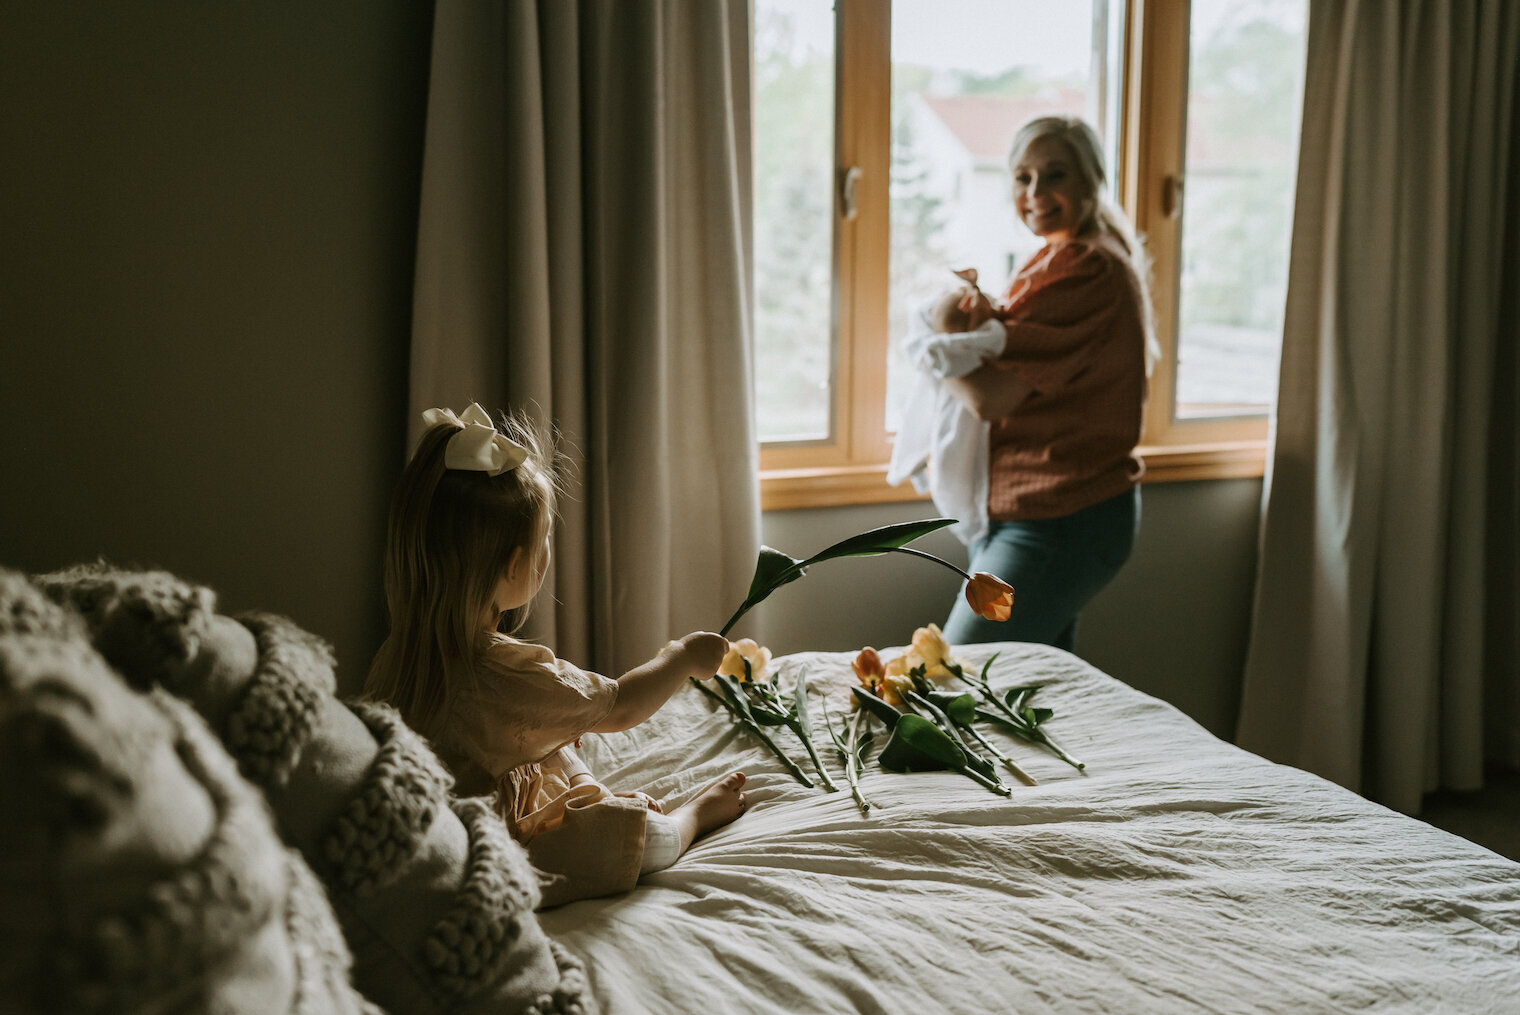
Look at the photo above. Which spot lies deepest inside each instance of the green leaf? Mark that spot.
(1016, 696)
(863, 745)
(765, 708)
(917, 745)
(771, 572)
(881, 540)
(834, 735)
(959, 707)
(947, 724)
(800, 702)
(1019, 729)
(880, 709)
(736, 698)
(773, 569)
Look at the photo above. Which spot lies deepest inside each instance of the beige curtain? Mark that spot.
(1383, 652)
(583, 251)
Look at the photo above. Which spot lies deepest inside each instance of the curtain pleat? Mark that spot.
(1369, 653)
(584, 252)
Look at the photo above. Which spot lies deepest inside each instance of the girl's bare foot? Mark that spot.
(712, 808)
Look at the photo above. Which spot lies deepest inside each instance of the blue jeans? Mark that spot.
(1055, 566)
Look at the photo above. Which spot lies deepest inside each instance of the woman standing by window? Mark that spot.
(1065, 397)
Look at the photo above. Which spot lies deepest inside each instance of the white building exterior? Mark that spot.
(962, 141)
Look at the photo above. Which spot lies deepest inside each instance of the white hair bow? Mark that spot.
(477, 447)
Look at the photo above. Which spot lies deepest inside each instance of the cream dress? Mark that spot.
(512, 737)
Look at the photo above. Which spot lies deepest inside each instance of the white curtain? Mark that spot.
(1384, 651)
(584, 251)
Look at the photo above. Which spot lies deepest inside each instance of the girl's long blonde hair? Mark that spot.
(450, 536)
(1101, 214)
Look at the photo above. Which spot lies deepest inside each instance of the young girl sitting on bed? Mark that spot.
(467, 549)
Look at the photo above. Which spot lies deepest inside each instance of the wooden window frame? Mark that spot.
(850, 467)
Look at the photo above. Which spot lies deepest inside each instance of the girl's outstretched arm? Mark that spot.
(643, 689)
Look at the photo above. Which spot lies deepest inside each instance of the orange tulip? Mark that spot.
(867, 666)
(873, 677)
(990, 596)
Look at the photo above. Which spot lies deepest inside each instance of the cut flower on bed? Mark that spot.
(917, 744)
(758, 703)
(1012, 711)
(915, 681)
(895, 691)
(852, 745)
(930, 658)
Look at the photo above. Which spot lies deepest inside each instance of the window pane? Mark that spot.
(794, 162)
(965, 74)
(1245, 85)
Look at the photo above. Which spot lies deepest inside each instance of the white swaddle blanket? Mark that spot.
(940, 445)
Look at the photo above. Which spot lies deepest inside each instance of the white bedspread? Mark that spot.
(1178, 874)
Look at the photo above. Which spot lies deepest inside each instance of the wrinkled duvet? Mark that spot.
(1176, 874)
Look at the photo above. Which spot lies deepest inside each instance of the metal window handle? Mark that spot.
(1171, 195)
(849, 180)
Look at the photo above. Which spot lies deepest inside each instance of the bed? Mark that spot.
(1176, 873)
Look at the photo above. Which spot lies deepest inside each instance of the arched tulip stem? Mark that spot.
(930, 556)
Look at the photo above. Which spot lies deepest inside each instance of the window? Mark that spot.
(882, 132)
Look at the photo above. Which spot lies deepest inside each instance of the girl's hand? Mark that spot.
(704, 652)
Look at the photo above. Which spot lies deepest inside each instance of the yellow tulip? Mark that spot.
(895, 688)
(738, 651)
(929, 642)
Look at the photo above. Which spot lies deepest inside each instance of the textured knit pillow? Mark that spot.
(435, 900)
(140, 872)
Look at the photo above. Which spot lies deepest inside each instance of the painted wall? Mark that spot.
(208, 216)
(1173, 624)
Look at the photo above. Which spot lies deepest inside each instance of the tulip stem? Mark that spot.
(930, 556)
(945, 723)
(807, 742)
(1012, 719)
(991, 783)
(850, 747)
(852, 762)
(1008, 762)
(754, 727)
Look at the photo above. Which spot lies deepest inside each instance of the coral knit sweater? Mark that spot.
(1076, 337)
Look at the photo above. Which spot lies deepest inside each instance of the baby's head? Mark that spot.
(474, 493)
(962, 307)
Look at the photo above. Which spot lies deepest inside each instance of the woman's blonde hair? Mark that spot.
(450, 536)
(1099, 214)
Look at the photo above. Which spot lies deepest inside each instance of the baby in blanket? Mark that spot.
(940, 445)
(960, 308)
